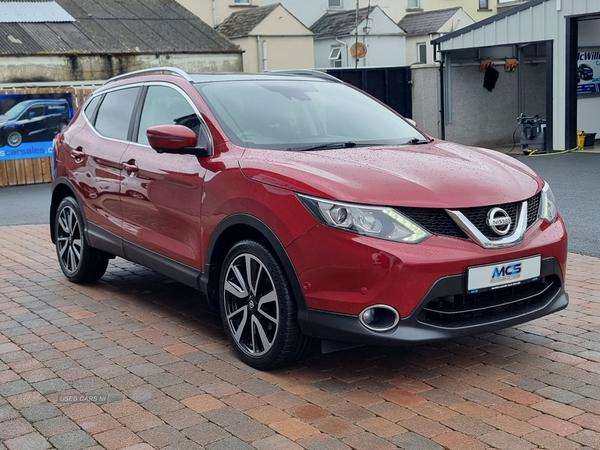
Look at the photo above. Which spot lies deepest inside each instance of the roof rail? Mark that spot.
(173, 70)
(307, 73)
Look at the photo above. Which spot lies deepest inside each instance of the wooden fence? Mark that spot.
(37, 170)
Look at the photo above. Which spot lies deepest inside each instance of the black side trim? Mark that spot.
(104, 240)
(169, 267)
(262, 228)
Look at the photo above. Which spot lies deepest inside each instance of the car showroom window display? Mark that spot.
(303, 209)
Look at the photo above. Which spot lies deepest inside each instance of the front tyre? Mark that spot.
(79, 262)
(258, 311)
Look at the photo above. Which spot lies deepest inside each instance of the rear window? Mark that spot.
(115, 111)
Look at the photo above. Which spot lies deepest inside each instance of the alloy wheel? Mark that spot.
(251, 305)
(14, 139)
(69, 239)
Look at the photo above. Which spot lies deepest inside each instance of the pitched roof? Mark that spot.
(242, 23)
(114, 27)
(427, 22)
(340, 23)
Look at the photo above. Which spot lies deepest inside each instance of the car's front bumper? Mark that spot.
(416, 328)
(341, 274)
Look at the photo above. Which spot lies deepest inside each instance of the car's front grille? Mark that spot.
(438, 222)
(466, 310)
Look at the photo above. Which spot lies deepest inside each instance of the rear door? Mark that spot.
(161, 194)
(96, 151)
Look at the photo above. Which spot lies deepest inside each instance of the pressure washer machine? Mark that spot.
(533, 134)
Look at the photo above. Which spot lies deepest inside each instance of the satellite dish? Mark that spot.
(358, 50)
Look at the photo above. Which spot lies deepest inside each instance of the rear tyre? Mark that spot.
(14, 138)
(78, 261)
(257, 308)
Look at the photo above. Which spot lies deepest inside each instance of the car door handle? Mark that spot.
(130, 167)
(77, 153)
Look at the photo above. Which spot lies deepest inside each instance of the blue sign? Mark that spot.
(29, 122)
(26, 151)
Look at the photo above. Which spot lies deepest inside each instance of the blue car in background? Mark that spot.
(34, 120)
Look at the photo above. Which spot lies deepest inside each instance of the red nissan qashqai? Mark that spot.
(303, 208)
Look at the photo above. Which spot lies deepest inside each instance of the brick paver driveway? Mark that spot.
(135, 361)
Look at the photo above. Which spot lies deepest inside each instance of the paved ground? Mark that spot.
(134, 361)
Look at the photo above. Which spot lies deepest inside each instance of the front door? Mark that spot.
(161, 194)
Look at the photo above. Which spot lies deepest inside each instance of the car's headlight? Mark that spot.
(373, 221)
(548, 210)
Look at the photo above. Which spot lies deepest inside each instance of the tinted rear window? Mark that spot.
(115, 111)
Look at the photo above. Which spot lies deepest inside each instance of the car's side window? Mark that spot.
(90, 109)
(34, 111)
(166, 106)
(115, 111)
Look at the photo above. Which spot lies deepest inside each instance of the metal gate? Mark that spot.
(391, 85)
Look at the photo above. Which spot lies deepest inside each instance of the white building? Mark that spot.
(271, 38)
(337, 33)
(422, 27)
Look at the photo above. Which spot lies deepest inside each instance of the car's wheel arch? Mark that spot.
(238, 227)
(13, 127)
(63, 188)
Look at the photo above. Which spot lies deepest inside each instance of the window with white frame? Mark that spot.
(422, 52)
(413, 4)
(484, 4)
(335, 56)
(241, 2)
(334, 3)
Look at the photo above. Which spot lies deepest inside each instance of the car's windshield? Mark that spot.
(303, 115)
(14, 112)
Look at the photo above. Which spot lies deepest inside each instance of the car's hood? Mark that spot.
(437, 175)
(3, 119)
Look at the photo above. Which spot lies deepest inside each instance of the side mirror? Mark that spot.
(31, 113)
(175, 139)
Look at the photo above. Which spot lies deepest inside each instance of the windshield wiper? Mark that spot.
(348, 144)
(416, 141)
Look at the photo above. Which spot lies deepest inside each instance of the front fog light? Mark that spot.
(368, 316)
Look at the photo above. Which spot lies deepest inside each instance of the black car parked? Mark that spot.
(34, 120)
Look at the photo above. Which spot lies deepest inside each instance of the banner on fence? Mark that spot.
(29, 122)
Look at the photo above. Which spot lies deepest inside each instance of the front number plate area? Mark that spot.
(502, 274)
